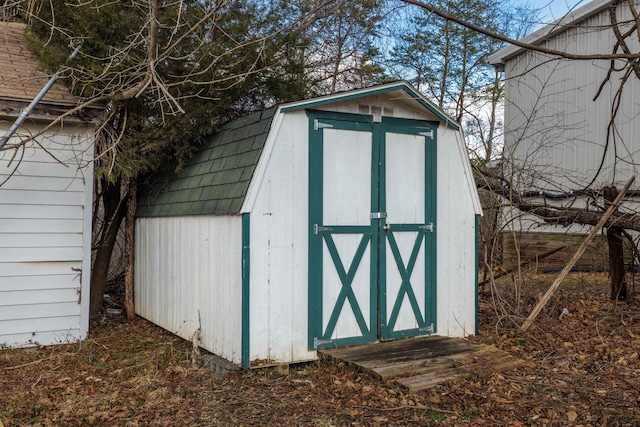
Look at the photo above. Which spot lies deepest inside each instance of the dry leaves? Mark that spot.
(582, 369)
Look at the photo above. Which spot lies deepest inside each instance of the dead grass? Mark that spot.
(582, 369)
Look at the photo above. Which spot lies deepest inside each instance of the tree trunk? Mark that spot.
(616, 253)
(129, 249)
(114, 210)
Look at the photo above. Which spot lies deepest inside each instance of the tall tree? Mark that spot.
(171, 71)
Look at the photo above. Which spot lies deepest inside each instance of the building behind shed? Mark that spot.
(46, 187)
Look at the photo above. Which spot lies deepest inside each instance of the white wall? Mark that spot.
(456, 240)
(553, 124)
(45, 237)
(279, 250)
(279, 232)
(188, 275)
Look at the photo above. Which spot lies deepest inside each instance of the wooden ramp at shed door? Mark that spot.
(422, 362)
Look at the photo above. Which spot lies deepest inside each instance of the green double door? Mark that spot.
(372, 231)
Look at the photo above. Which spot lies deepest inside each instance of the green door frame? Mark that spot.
(375, 235)
(425, 235)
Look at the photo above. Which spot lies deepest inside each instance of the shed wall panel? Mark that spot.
(279, 249)
(188, 276)
(456, 251)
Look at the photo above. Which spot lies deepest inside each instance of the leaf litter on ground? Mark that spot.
(582, 369)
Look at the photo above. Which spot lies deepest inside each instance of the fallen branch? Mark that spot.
(576, 256)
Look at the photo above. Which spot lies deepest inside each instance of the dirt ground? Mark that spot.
(582, 369)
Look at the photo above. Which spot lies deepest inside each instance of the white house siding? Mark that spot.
(188, 276)
(45, 238)
(279, 247)
(554, 126)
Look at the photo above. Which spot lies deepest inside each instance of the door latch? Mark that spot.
(430, 227)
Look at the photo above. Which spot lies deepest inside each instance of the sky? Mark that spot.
(550, 10)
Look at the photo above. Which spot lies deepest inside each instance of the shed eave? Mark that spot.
(377, 90)
(558, 26)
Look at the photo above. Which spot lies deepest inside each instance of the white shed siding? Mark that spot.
(456, 249)
(45, 231)
(279, 233)
(188, 276)
(552, 122)
(279, 247)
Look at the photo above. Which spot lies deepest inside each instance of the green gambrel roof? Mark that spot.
(216, 180)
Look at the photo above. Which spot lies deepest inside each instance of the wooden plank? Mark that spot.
(416, 367)
(429, 366)
(415, 354)
(388, 347)
(391, 352)
(421, 363)
(425, 381)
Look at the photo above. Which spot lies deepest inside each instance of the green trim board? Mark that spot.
(246, 288)
(402, 86)
(319, 237)
(477, 260)
(217, 179)
(427, 321)
(375, 236)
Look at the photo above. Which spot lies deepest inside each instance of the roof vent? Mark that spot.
(375, 110)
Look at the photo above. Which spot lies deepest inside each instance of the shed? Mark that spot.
(560, 135)
(344, 219)
(46, 187)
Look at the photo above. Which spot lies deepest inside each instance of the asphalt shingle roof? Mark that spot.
(217, 178)
(20, 78)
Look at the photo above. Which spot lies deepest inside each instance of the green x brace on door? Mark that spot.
(372, 228)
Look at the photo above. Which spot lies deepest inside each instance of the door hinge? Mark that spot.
(430, 226)
(428, 329)
(378, 215)
(428, 134)
(317, 124)
(320, 229)
(318, 342)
